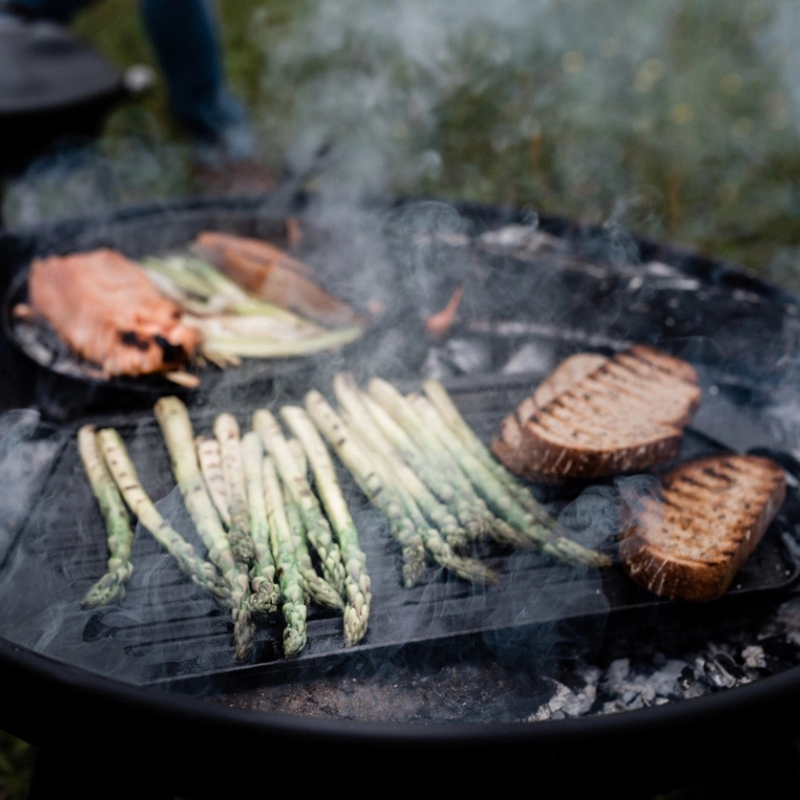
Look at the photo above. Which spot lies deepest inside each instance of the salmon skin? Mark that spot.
(107, 310)
(273, 275)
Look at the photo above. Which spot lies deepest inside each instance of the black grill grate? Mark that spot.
(168, 632)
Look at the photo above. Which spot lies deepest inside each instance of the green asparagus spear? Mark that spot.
(357, 582)
(176, 426)
(124, 473)
(293, 604)
(195, 277)
(120, 534)
(366, 473)
(395, 415)
(473, 514)
(350, 399)
(264, 598)
(416, 417)
(209, 457)
(452, 418)
(317, 526)
(469, 569)
(315, 587)
(503, 503)
(226, 431)
(244, 347)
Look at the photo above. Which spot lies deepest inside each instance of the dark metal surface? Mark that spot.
(44, 65)
(742, 332)
(168, 632)
(55, 90)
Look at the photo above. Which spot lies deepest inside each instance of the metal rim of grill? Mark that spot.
(50, 691)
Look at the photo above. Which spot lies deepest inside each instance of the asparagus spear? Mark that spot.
(299, 456)
(469, 569)
(264, 598)
(350, 398)
(246, 347)
(416, 417)
(196, 277)
(474, 516)
(451, 417)
(503, 503)
(120, 534)
(226, 430)
(377, 490)
(405, 426)
(357, 581)
(293, 604)
(176, 426)
(315, 587)
(317, 527)
(210, 458)
(124, 473)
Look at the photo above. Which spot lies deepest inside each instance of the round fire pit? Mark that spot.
(552, 670)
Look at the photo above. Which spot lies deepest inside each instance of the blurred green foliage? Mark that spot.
(16, 767)
(677, 119)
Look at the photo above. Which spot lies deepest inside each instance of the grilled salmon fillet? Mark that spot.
(107, 310)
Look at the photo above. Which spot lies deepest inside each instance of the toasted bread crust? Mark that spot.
(714, 512)
(597, 416)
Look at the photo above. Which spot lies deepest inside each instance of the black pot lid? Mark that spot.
(43, 66)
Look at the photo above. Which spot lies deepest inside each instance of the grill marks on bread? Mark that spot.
(690, 543)
(597, 416)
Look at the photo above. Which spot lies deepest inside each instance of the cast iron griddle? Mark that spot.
(168, 632)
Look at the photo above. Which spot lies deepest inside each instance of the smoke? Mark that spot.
(676, 119)
(26, 450)
(630, 111)
(91, 178)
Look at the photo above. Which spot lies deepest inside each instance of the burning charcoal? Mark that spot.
(459, 357)
(728, 663)
(633, 700)
(436, 366)
(523, 240)
(782, 647)
(531, 357)
(565, 703)
(754, 657)
(618, 671)
(717, 674)
(629, 688)
(690, 685)
(666, 681)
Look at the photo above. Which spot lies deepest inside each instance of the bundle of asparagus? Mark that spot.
(439, 486)
(264, 526)
(255, 513)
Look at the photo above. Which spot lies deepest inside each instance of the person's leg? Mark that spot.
(185, 37)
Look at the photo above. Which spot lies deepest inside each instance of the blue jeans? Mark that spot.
(184, 35)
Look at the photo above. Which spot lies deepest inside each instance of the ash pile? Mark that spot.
(662, 672)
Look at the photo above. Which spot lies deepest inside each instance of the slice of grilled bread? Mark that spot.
(597, 416)
(691, 542)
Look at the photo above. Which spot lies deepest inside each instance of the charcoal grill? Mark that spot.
(165, 690)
